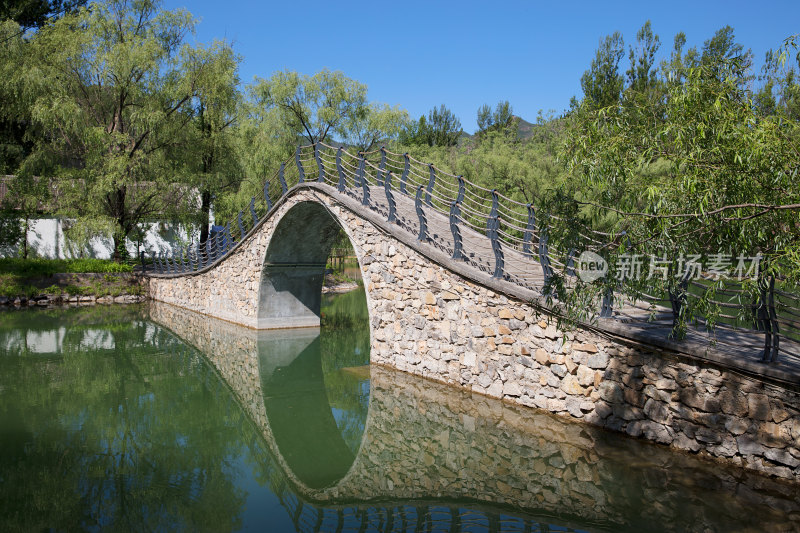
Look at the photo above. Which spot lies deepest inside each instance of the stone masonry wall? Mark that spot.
(429, 321)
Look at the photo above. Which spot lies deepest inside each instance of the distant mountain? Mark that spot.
(524, 128)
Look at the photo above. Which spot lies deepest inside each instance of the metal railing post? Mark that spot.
(607, 305)
(229, 240)
(492, 231)
(461, 190)
(570, 266)
(455, 212)
(381, 167)
(301, 173)
(282, 178)
(321, 177)
(387, 186)
(340, 170)
(544, 258)
(767, 319)
(678, 298)
(267, 201)
(431, 183)
(362, 177)
(253, 213)
(423, 224)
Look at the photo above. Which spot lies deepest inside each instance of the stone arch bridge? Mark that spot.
(455, 293)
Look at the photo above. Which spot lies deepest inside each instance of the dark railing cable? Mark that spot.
(241, 225)
(282, 178)
(404, 177)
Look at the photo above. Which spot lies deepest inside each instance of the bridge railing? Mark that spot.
(488, 231)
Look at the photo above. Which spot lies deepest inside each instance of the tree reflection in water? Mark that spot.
(109, 421)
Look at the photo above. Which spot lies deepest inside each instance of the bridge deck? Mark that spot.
(741, 349)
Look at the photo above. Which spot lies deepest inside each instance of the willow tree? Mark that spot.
(113, 87)
(313, 107)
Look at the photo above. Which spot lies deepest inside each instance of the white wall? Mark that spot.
(46, 239)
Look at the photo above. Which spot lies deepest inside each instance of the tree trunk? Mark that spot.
(25, 238)
(205, 212)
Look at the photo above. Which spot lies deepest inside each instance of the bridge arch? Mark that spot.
(290, 289)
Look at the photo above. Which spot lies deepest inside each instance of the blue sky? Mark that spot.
(421, 54)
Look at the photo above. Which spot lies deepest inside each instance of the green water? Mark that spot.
(139, 418)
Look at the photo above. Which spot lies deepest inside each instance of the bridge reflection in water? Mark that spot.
(349, 448)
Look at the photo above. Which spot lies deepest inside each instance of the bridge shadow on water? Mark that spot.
(354, 448)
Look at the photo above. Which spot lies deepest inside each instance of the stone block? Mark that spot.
(611, 391)
(495, 390)
(505, 313)
(736, 426)
(748, 446)
(597, 361)
(585, 347)
(782, 457)
(571, 386)
(585, 376)
(558, 370)
(656, 411)
(758, 406)
(541, 356)
(511, 388)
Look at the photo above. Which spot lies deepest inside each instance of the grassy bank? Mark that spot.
(29, 278)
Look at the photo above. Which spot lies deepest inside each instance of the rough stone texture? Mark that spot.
(645, 392)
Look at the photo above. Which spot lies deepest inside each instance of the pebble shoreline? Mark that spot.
(47, 300)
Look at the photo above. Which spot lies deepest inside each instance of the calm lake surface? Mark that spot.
(152, 418)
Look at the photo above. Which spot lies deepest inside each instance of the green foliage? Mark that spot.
(313, 106)
(602, 84)
(441, 128)
(499, 120)
(48, 267)
(375, 124)
(643, 72)
(35, 13)
(114, 87)
(692, 162)
(11, 230)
